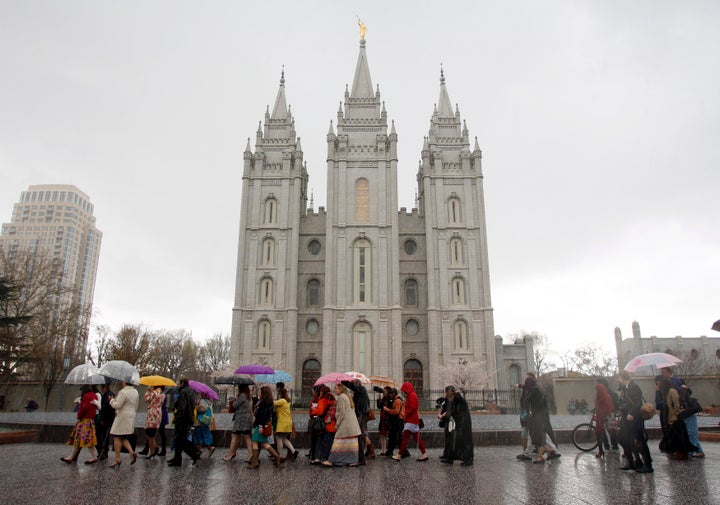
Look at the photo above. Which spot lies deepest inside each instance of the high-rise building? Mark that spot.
(363, 285)
(58, 220)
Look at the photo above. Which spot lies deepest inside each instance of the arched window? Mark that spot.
(264, 335)
(271, 208)
(268, 252)
(313, 293)
(454, 210)
(514, 374)
(460, 334)
(361, 271)
(362, 344)
(458, 291)
(456, 251)
(362, 200)
(266, 291)
(411, 293)
(413, 373)
(310, 374)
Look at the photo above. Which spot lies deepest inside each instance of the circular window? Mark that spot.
(312, 327)
(412, 327)
(410, 247)
(314, 247)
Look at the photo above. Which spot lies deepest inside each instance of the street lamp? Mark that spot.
(66, 368)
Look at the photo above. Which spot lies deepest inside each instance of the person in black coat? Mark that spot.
(184, 414)
(632, 426)
(104, 420)
(457, 423)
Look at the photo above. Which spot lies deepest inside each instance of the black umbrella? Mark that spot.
(716, 325)
(234, 380)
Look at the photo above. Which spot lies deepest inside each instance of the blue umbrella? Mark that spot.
(274, 378)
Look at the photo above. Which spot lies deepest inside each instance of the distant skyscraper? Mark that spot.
(58, 219)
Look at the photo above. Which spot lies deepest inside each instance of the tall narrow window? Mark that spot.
(362, 200)
(456, 251)
(268, 252)
(361, 348)
(313, 295)
(514, 374)
(264, 335)
(460, 331)
(413, 373)
(270, 211)
(361, 273)
(310, 374)
(266, 291)
(411, 288)
(454, 210)
(458, 291)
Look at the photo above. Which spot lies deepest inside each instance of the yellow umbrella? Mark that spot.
(383, 381)
(156, 380)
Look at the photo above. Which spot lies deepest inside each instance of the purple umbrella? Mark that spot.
(203, 388)
(255, 369)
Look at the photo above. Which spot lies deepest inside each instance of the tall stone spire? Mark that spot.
(362, 83)
(280, 110)
(445, 108)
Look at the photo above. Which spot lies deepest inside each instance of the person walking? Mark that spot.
(362, 412)
(242, 424)
(536, 407)
(382, 401)
(603, 415)
(284, 428)
(411, 428)
(83, 434)
(345, 446)
(104, 420)
(632, 426)
(261, 431)
(325, 410)
(395, 413)
(202, 435)
(457, 425)
(154, 399)
(125, 405)
(184, 412)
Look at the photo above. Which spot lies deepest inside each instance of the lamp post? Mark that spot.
(66, 368)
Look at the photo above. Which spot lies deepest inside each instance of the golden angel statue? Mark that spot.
(362, 28)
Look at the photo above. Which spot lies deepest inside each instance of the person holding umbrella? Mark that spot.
(242, 424)
(125, 405)
(154, 398)
(83, 434)
(260, 435)
(184, 409)
(104, 420)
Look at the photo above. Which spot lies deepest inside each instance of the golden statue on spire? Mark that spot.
(362, 28)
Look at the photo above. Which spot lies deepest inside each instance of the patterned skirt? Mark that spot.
(83, 434)
(344, 451)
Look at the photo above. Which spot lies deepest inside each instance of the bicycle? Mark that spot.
(583, 435)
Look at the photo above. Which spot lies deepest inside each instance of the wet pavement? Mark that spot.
(33, 474)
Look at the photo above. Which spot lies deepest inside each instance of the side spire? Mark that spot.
(280, 110)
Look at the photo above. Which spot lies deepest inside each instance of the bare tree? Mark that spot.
(464, 375)
(541, 349)
(132, 344)
(99, 346)
(215, 353)
(591, 359)
(166, 356)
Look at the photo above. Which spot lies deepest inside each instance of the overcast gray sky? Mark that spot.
(599, 123)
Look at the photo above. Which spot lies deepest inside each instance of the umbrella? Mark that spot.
(87, 373)
(234, 380)
(156, 380)
(121, 371)
(381, 381)
(203, 388)
(332, 378)
(255, 369)
(656, 359)
(716, 325)
(359, 376)
(274, 378)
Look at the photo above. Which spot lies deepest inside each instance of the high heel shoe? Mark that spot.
(114, 464)
(66, 460)
(155, 453)
(133, 458)
(228, 457)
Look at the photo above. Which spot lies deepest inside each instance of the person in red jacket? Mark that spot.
(604, 410)
(412, 423)
(83, 434)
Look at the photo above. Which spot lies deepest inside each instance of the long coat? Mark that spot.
(283, 416)
(125, 405)
(347, 423)
(242, 418)
(458, 442)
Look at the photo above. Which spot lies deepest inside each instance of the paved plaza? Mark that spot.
(34, 474)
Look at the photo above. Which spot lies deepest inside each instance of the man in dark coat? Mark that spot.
(184, 408)
(632, 426)
(458, 428)
(104, 420)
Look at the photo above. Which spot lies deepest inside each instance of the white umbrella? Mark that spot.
(656, 359)
(87, 373)
(121, 371)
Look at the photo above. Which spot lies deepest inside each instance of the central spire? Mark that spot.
(362, 84)
(280, 110)
(445, 109)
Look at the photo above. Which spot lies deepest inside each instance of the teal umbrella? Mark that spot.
(274, 378)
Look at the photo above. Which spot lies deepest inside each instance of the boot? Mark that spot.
(145, 451)
(630, 464)
(255, 459)
(278, 459)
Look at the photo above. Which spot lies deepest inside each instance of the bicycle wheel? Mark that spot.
(584, 437)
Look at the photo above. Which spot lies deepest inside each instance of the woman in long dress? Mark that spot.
(154, 398)
(125, 405)
(83, 434)
(344, 450)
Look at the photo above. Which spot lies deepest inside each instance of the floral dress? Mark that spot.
(154, 400)
(83, 434)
